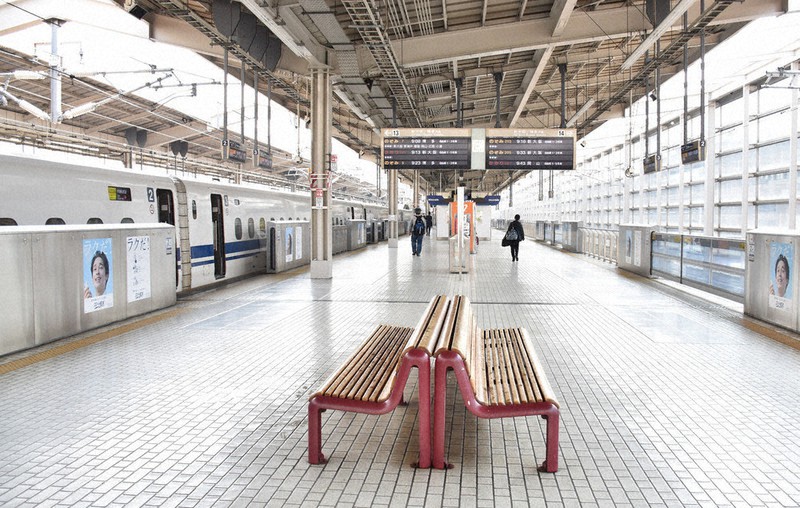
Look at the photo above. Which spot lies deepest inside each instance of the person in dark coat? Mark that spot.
(429, 223)
(417, 233)
(516, 225)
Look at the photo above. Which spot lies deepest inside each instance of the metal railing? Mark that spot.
(715, 265)
(598, 243)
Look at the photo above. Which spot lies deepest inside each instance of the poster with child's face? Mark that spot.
(781, 256)
(98, 284)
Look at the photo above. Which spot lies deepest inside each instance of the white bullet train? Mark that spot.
(221, 228)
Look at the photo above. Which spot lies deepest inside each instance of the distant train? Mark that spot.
(220, 228)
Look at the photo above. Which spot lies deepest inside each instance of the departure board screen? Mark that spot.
(529, 149)
(427, 148)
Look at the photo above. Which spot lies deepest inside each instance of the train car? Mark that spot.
(221, 228)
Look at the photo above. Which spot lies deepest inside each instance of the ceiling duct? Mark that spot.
(273, 53)
(226, 16)
(245, 31)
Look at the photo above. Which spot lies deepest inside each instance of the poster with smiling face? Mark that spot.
(98, 283)
(781, 256)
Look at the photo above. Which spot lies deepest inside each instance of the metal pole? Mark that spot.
(55, 75)
(391, 188)
(498, 80)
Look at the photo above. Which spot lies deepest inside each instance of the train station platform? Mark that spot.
(667, 399)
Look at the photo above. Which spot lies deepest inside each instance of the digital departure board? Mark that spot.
(427, 149)
(529, 149)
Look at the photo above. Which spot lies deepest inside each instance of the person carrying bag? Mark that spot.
(513, 236)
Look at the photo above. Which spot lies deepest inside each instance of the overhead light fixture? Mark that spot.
(653, 96)
(581, 111)
(656, 34)
(23, 75)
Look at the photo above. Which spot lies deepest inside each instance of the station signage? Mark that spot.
(262, 159)
(693, 152)
(231, 150)
(530, 149)
(427, 149)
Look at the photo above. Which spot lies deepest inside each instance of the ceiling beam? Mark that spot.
(529, 83)
(560, 14)
(519, 36)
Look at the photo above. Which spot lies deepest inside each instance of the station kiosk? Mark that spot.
(288, 245)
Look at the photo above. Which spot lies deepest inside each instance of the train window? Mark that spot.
(7, 221)
(127, 220)
(262, 225)
(237, 228)
(236, 202)
(194, 209)
(251, 228)
(272, 219)
(54, 221)
(94, 220)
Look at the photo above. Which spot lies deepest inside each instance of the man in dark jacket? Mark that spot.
(516, 226)
(417, 233)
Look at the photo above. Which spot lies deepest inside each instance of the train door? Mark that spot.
(218, 231)
(166, 215)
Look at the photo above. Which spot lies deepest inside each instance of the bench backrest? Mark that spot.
(460, 327)
(429, 326)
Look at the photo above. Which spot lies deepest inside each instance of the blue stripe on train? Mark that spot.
(204, 251)
(207, 251)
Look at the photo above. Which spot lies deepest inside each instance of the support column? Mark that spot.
(793, 157)
(321, 226)
(415, 200)
(745, 156)
(391, 190)
(711, 158)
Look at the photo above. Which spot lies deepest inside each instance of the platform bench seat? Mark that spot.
(372, 380)
(498, 375)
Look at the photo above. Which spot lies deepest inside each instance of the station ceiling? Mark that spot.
(421, 54)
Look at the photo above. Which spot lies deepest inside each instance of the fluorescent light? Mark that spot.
(656, 34)
(581, 111)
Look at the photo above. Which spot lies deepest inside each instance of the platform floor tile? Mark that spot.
(667, 399)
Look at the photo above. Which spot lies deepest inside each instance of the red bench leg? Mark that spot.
(439, 403)
(315, 455)
(424, 380)
(550, 464)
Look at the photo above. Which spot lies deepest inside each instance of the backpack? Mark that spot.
(511, 234)
(419, 227)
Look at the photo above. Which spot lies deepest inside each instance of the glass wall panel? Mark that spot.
(730, 113)
(773, 156)
(730, 164)
(730, 190)
(774, 126)
(773, 186)
(698, 193)
(730, 139)
(772, 215)
(730, 216)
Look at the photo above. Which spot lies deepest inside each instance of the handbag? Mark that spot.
(504, 242)
(511, 235)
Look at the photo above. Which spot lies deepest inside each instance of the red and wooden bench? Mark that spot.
(498, 375)
(372, 380)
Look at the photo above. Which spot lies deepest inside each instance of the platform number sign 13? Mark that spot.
(151, 195)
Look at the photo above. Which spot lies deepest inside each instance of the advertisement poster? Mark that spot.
(628, 246)
(138, 252)
(781, 257)
(298, 242)
(637, 249)
(98, 284)
(289, 241)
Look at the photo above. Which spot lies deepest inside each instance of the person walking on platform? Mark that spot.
(428, 223)
(417, 233)
(514, 235)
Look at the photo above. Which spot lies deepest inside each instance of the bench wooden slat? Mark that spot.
(534, 392)
(365, 374)
(512, 369)
(380, 370)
